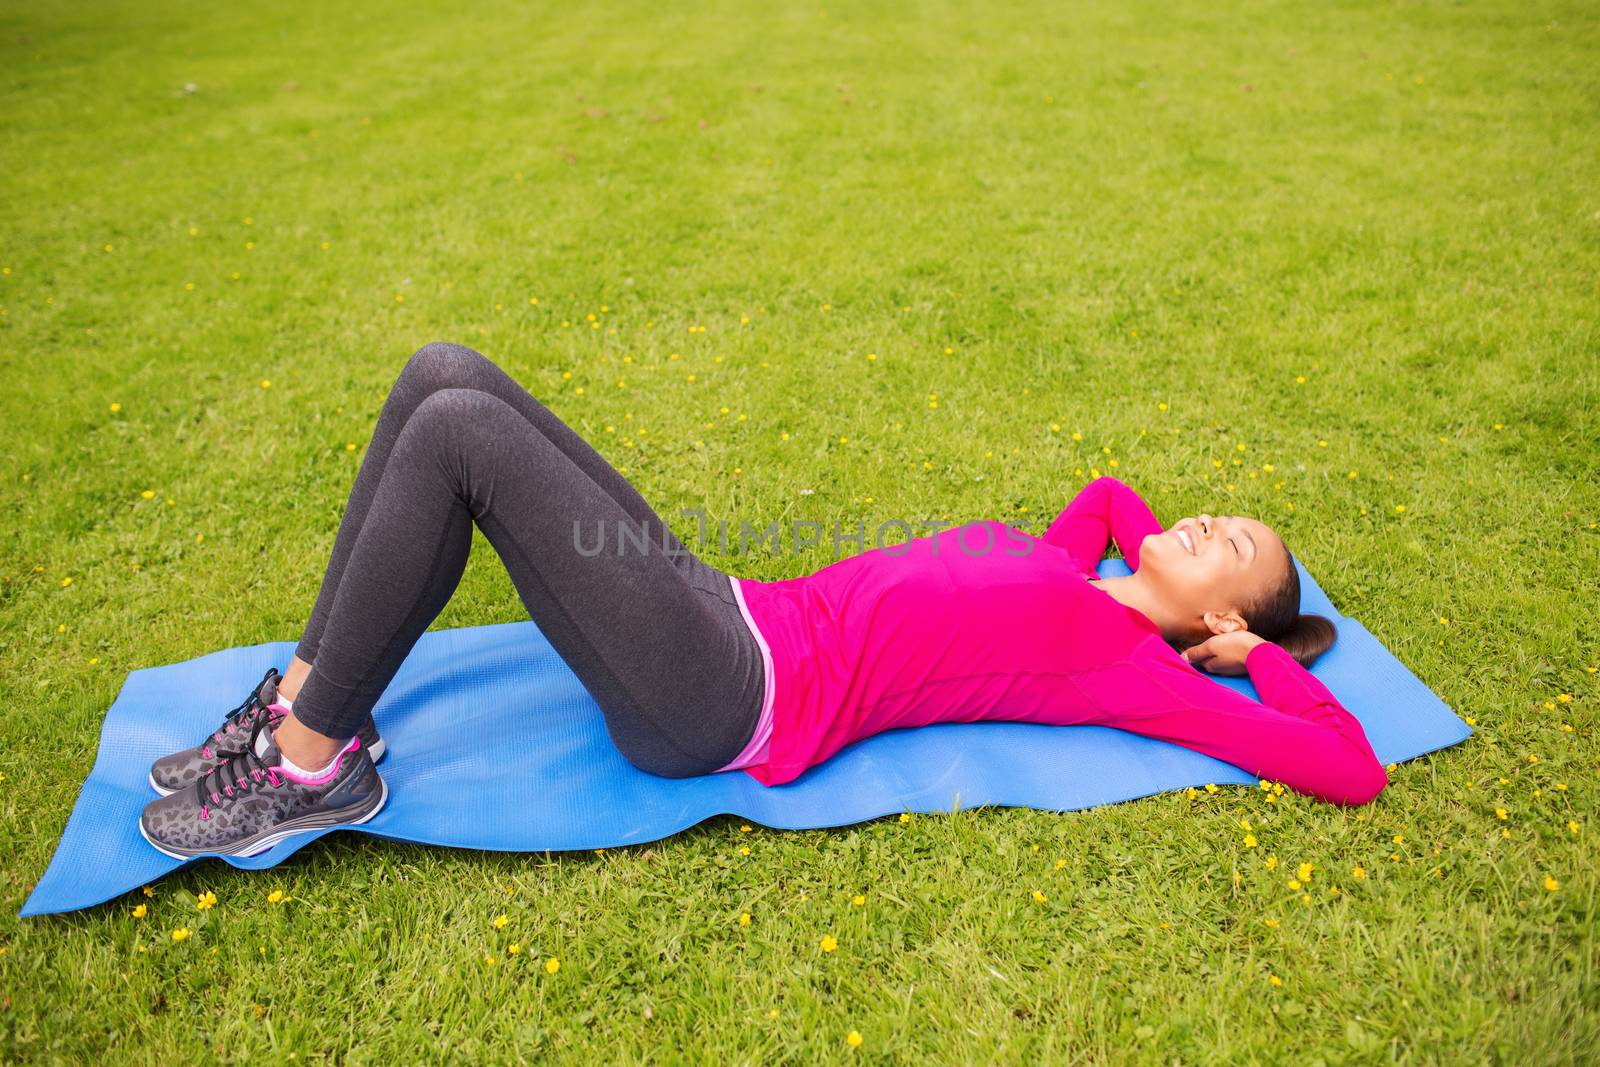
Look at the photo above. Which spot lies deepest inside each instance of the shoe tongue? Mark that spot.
(268, 693)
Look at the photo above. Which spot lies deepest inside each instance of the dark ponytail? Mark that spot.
(1277, 618)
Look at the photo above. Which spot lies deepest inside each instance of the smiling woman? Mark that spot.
(700, 672)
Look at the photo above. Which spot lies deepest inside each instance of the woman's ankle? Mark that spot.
(303, 745)
(293, 678)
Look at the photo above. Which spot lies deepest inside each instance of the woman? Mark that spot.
(698, 672)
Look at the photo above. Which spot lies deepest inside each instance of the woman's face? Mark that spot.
(1212, 563)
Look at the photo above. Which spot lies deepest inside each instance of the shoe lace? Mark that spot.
(238, 774)
(234, 722)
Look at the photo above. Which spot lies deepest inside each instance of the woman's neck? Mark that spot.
(1129, 591)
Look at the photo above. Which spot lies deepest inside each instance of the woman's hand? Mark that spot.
(1223, 653)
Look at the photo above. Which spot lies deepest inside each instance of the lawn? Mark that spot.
(1336, 266)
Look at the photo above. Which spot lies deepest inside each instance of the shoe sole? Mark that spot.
(376, 751)
(264, 841)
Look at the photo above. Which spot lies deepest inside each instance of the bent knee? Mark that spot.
(456, 411)
(445, 365)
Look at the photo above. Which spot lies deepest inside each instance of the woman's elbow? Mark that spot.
(1371, 782)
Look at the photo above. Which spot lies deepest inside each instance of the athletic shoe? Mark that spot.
(172, 773)
(248, 803)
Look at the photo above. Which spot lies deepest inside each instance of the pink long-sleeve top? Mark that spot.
(985, 621)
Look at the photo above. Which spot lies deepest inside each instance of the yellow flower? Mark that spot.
(552, 965)
(1038, 896)
(1359, 872)
(1304, 872)
(66, 582)
(1275, 980)
(1500, 813)
(1273, 923)
(854, 1039)
(1572, 825)
(1550, 883)
(1299, 379)
(744, 918)
(905, 816)
(1211, 787)
(1249, 840)
(277, 896)
(1294, 883)
(180, 933)
(829, 942)
(148, 494)
(513, 949)
(141, 910)
(1398, 838)
(1060, 864)
(744, 850)
(147, 891)
(206, 901)
(1565, 698)
(1272, 862)
(266, 383)
(500, 921)
(858, 900)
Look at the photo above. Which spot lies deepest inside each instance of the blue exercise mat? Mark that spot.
(495, 744)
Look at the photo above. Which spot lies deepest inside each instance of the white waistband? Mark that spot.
(756, 750)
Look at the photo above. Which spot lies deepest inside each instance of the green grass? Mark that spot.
(1139, 223)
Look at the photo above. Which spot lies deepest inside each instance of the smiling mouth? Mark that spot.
(1185, 539)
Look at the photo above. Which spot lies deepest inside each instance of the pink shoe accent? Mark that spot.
(328, 775)
(204, 814)
(206, 752)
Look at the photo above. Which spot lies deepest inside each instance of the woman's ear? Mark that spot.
(1223, 622)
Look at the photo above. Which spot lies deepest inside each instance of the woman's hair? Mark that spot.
(1276, 616)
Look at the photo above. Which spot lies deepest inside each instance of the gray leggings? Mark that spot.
(653, 633)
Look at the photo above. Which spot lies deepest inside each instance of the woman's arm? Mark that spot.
(1298, 734)
(1103, 510)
